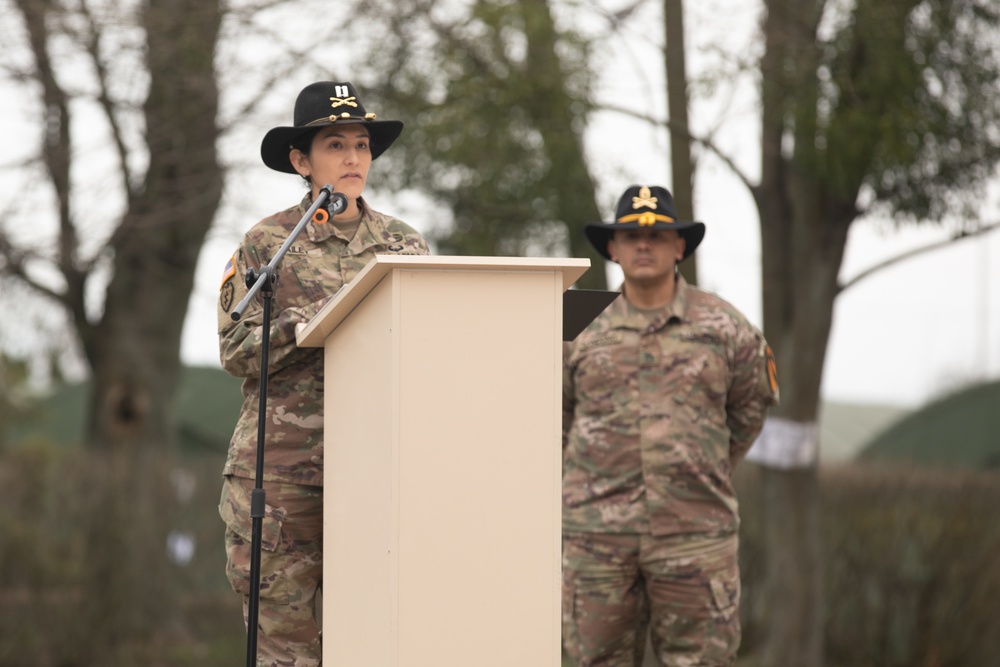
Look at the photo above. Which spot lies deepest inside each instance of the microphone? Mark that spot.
(335, 203)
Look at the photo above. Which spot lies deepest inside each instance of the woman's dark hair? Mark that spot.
(304, 143)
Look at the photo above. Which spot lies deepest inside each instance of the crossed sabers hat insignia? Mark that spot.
(340, 101)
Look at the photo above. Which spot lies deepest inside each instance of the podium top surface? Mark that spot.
(350, 295)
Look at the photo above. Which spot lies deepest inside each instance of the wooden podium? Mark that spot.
(442, 505)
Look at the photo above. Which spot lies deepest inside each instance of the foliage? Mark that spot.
(123, 99)
(84, 573)
(14, 401)
(873, 106)
(910, 554)
(911, 574)
(495, 97)
(906, 105)
(65, 531)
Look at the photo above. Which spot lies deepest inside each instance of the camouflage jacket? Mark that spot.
(316, 265)
(657, 412)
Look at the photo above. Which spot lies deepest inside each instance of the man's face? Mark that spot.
(646, 255)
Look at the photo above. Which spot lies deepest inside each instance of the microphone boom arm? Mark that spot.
(255, 279)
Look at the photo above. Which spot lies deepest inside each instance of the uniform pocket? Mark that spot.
(723, 625)
(304, 270)
(234, 508)
(725, 592)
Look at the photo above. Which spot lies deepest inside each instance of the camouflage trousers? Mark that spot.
(692, 586)
(291, 567)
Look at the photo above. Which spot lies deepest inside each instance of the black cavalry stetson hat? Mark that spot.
(325, 103)
(645, 207)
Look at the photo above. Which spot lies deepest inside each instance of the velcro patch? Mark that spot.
(602, 339)
(772, 370)
(229, 271)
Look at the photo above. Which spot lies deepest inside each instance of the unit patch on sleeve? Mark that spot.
(228, 289)
(772, 370)
(229, 271)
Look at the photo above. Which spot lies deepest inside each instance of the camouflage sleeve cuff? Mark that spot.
(241, 356)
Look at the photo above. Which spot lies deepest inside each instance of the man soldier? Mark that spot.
(663, 395)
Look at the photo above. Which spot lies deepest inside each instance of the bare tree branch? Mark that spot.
(91, 43)
(683, 130)
(56, 150)
(14, 262)
(296, 52)
(979, 231)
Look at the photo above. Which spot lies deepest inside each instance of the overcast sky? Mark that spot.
(903, 336)
(915, 331)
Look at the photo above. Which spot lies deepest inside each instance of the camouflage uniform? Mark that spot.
(656, 412)
(318, 263)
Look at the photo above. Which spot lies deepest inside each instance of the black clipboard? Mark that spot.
(581, 306)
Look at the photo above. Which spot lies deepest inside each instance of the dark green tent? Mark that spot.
(958, 430)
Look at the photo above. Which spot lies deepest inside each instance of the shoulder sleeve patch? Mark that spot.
(229, 271)
(772, 370)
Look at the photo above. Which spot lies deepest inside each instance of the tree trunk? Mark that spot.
(134, 351)
(573, 185)
(803, 236)
(134, 348)
(791, 503)
(681, 165)
(793, 632)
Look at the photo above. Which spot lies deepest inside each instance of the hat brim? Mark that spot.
(600, 233)
(277, 143)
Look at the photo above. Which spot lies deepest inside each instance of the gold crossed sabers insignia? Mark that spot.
(644, 199)
(340, 101)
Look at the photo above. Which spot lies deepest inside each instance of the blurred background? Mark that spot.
(842, 153)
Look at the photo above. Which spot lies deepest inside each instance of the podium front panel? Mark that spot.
(358, 541)
(443, 472)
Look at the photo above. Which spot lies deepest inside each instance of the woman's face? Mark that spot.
(340, 157)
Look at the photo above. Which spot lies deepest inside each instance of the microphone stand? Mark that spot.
(263, 281)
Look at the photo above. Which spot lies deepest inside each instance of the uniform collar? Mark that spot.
(319, 233)
(622, 316)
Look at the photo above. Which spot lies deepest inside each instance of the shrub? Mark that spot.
(84, 573)
(912, 565)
